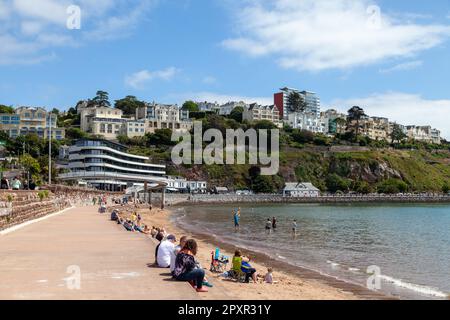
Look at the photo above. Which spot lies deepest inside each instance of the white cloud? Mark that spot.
(218, 97)
(209, 80)
(39, 26)
(403, 66)
(316, 35)
(404, 108)
(138, 79)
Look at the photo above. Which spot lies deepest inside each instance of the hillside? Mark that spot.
(387, 171)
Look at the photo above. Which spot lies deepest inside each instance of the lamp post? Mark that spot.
(50, 149)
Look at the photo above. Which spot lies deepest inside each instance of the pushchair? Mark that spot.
(218, 263)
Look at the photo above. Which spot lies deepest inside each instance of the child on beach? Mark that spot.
(269, 277)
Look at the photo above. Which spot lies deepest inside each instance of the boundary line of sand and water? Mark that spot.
(302, 273)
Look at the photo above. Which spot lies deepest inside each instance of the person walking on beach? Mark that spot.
(268, 226)
(237, 216)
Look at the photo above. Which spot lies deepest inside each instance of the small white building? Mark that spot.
(182, 185)
(300, 190)
(307, 121)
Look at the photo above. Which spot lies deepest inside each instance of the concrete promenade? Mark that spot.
(112, 262)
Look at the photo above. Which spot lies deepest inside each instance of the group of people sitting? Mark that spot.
(134, 224)
(181, 258)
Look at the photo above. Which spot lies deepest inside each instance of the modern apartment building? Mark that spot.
(281, 100)
(161, 116)
(257, 112)
(30, 120)
(108, 166)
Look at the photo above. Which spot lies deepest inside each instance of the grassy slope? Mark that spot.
(421, 170)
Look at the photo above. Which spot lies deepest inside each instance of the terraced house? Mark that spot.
(31, 120)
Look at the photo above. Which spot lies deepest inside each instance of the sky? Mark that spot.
(389, 57)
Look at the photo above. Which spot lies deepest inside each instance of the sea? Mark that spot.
(399, 250)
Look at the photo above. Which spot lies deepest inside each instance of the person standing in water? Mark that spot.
(268, 226)
(294, 228)
(274, 223)
(237, 216)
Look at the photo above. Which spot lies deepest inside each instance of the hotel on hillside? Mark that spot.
(106, 165)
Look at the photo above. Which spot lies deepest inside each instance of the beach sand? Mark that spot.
(288, 286)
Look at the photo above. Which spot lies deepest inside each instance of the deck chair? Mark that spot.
(236, 272)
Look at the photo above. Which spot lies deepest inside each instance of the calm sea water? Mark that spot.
(409, 243)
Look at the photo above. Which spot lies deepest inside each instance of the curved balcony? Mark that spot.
(94, 175)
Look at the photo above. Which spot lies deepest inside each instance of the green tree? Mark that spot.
(397, 134)
(190, 106)
(296, 102)
(237, 114)
(128, 105)
(76, 133)
(392, 186)
(336, 183)
(101, 99)
(161, 137)
(6, 109)
(302, 136)
(355, 115)
(30, 164)
(445, 188)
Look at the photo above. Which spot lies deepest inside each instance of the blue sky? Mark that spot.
(393, 64)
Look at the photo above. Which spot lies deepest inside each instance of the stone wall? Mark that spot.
(276, 198)
(17, 207)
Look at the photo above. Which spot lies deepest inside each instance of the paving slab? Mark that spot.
(81, 255)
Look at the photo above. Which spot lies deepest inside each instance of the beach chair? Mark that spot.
(236, 272)
(218, 263)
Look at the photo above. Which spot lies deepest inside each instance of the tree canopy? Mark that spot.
(128, 105)
(190, 106)
(6, 109)
(101, 99)
(296, 102)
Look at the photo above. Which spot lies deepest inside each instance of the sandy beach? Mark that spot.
(288, 286)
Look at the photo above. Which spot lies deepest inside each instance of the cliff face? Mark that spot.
(419, 170)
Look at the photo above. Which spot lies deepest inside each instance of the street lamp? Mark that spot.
(50, 149)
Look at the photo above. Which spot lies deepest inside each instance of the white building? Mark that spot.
(208, 106)
(307, 121)
(108, 166)
(424, 133)
(281, 100)
(160, 116)
(182, 185)
(134, 128)
(300, 190)
(227, 108)
(104, 121)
